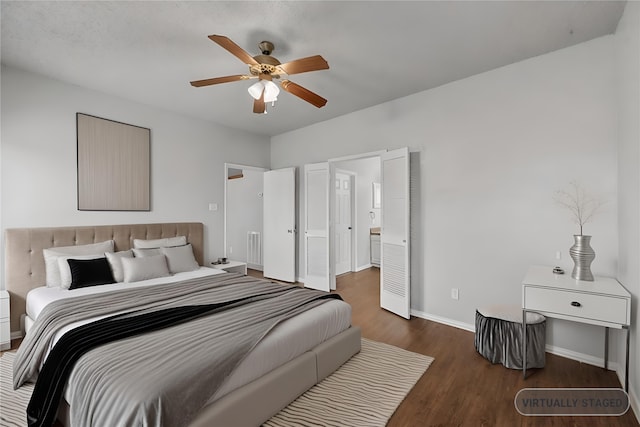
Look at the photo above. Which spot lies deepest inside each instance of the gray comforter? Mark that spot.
(162, 378)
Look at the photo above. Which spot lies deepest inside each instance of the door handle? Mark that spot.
(349, 228)
(576, 304)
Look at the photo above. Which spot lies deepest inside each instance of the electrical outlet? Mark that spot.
(454, 293)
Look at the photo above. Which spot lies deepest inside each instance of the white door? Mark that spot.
(316, 226)
(279, 255)
(395, 286)
(342, 223)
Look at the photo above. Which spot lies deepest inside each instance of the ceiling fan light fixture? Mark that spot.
(271, 91)
(255, 90)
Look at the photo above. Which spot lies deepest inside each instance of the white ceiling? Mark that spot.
(378, 51)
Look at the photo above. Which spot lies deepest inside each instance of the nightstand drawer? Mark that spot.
(577, 304)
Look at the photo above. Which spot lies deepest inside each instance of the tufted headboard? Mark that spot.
(24, 262)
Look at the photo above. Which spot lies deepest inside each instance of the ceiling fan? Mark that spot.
(267, 68)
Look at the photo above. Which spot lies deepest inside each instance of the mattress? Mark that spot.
(285, 342)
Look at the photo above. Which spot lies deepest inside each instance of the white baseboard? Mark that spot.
(363, 267)
(444, 320)
(633, 397)
(580, 357)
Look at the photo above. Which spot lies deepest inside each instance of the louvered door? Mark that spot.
(395, 285)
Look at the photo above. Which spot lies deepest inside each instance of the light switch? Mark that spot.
(213, 206)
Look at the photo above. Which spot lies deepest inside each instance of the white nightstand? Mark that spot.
(5, 330)
(232, 267)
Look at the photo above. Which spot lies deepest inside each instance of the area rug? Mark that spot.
(365, 391)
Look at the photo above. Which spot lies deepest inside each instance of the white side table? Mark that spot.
(603, 302)
(232, 267)
(5, 330)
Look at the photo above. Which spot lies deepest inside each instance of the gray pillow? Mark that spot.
(159, 243)
(141, 253)
(180, 258)
(115, 262)
(136, 269)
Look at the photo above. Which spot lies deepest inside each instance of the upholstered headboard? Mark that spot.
(24, 262)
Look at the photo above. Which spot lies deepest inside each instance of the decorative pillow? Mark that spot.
(65, 270)
(136, 269)
(160, 243)
(180, 258)
(51, 262)
(142, 253)
(115, 262)
(89, 272)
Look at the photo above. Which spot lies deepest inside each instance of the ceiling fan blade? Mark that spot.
(236, 50)
(303, 65)
(303, 93)
(258, 105)
(217, 80)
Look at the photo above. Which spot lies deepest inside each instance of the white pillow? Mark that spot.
(136, 269)
(52, 269)
(115, 262)
(160, 243)
(142, 253)
(65, 270)
(180, 258)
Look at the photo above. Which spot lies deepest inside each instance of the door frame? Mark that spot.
(228, 166)
(332, 166)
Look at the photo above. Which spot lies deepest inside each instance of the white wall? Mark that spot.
(490, 152)
(38, 165)
(627, 49)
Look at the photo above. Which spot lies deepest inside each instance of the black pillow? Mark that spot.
(89, 272)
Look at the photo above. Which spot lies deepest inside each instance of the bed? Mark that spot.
(265, 388)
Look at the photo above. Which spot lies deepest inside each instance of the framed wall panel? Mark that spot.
(113, 165)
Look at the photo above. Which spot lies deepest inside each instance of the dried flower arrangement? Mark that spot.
(582, 206)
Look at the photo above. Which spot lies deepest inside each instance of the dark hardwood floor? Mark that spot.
(461, 388)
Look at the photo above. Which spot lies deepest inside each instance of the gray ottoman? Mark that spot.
(499, 336)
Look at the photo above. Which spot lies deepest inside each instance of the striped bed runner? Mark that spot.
(365, 391)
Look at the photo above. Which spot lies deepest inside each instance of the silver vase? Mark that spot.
(582, 255)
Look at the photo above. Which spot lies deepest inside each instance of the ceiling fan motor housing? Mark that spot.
(266, 47)
(266, 63)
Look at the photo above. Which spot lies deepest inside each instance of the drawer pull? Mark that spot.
(576, 304)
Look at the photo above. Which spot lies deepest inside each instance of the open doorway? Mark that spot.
(394, 227)
(364, 174)
(243, 226)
